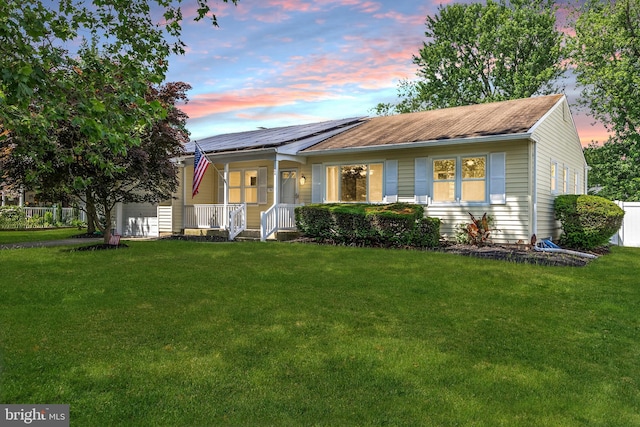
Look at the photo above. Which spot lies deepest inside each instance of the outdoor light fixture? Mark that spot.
(303, 179)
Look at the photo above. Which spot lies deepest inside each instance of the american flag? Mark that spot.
(201, 163)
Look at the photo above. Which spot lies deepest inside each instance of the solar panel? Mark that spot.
(272, 137)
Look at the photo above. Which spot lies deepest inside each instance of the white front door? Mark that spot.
(288, 186)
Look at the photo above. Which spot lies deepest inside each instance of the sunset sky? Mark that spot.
(285, 62)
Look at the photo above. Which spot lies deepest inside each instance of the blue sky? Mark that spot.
(285, 62)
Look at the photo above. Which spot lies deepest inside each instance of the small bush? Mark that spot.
(12, 217)
(477, 232)
(427, 233)
(587, 221)
(397, 224)
(314, 221)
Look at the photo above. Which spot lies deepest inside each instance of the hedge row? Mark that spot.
(587, 221)
(397, 224)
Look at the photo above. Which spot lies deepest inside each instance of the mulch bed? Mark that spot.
(100, 247)
(97, 246)
(518, 254)
(509, 253)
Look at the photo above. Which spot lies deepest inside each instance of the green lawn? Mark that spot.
(36, 235)
(176, 333)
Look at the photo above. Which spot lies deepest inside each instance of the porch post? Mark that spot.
(276, 182)
(225, 220)
(21, 197)
(183, 168)
(3, 199)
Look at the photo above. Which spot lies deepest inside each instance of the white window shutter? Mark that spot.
(421, 189)
(220, 188)
(262, 185)
(391, 181)
(497, 178)
(316, 183)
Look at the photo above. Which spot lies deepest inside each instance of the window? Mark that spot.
(554, 177)
(576, 183)
(460, 179)
(354, 183)
(565, 180)
(473, 179)
(243, 186)
(251, 186)
(444, 180)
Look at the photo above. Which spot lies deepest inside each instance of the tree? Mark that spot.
(614, 174)
(478, 53)
(606, 56)
(50, 97)
(145, 173)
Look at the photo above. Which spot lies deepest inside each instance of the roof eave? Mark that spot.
(421, 144)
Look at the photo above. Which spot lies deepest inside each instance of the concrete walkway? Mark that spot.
(62, 242)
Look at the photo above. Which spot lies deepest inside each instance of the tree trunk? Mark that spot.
(91, 214)
(106, 233)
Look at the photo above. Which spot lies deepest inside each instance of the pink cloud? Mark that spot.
(590, 131)
(401, 18)
(202, 105)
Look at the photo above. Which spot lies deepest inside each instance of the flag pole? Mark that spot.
(207, 157)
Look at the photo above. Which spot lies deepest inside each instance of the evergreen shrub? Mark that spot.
(587, 221)
(396, 224)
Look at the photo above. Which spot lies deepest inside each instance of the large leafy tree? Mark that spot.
(606, 56)
(477, 53)
(614, 173)
(51, 95)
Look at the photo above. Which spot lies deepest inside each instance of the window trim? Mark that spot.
(554, 175)
(243, 187)
(458, 180)
(339, 166)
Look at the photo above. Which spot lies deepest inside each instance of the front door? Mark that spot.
(288, 186)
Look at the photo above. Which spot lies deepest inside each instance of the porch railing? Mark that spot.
(232, 218)
(207, 216)
(277, 217)
(237, 221)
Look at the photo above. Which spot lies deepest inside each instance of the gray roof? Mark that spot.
(296, 138)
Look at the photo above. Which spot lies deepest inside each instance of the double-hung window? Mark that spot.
(358, 182)
(554, 177)
(243, 186)
(461, 179)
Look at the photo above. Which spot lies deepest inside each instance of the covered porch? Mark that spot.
(231, 221)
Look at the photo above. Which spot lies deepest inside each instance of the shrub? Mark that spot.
(477, 232)
(397, 224)
(587, 221)
(426, 233)
(12, 217)
(314, 221)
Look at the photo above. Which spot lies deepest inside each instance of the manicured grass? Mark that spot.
(36, 235)
(168, 333)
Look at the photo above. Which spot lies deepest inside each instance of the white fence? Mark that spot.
(40, 217)
(629, 233)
